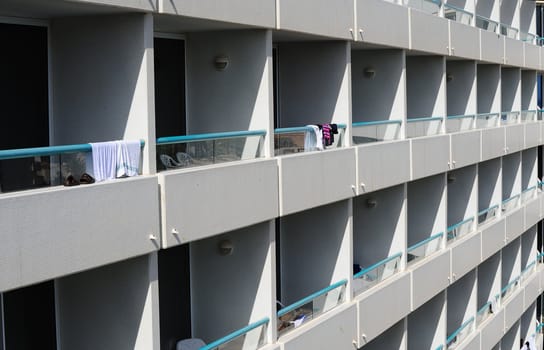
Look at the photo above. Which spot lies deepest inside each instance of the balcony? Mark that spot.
(250, 337)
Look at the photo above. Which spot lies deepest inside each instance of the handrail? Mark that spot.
(528, 110)
(458, 330)
(488, 209)
(379, 263)
(376, 122)
(454, 226)
(460, 116)
(235, 334)
(487, 19)
(46, 151)
(310, 297)
(508, 26)
(483, 308)
(458, 9)
(490, 113)
(510, 199)
(510, 284)
(528, 189)
(301, 129)
(425, 241)
(209, 136)
(528, 267)
(424, 119)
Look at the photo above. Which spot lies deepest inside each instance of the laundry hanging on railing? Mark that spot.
(114, 159)
(321, 136)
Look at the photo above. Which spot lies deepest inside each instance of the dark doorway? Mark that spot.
(29, 317)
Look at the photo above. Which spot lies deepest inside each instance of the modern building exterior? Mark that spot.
(417, 227)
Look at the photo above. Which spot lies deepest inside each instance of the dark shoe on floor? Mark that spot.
(86, 179)
(70, 181)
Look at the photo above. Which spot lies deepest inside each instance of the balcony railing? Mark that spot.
(294, 139)
(426, 126)
(529, 116)
(38, 167)
(458, 14)
(204, 149)
(459, 229)
(527, 271)
(310, 307)
(455, 123)
(528, 37)
(483, 313)
(510, 118)
(507, 291)
(508, 31)
(487, 215)
(487, 120)
(250, 337)
(460, 334)
(486, 24)
(374, 131)
(511, 203)
(528, 194)
(425, 248)
(428, 6)
(376, 273)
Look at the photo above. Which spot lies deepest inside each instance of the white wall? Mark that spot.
(393, 338)
(381, 97)
(511, 90)
(102, 81)
(461, 303)
(511, 175)
(527, 16)
(462, 194)
(488, 8)
(461, 90)
(529, 168)
(489, 279)
(511, 262)
(228, 292)
(528, 246)
(528, 90)
(426, 88)
(427, 324)
(112, 307)
(510, 12)
(314, 83)
(489, 88)
(489, 183)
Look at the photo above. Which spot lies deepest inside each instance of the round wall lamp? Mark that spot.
(225, 247)
(221, 62)
(369, 72)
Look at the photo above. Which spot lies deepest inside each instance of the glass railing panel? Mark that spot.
(528, 116)
(312, 306)
(527, 271)
(248, 338)
(510, 118)
(508, 31)
(510, 204)
(417, 127)
(483, 313)
(424, 248)
(428, 6)
(507, 291)
(372, 275)
(374, 131)
(488, 214)
(460, 229)
(31, 168)
(460, 334)
(457, 14)
(455, 123)
(540, 258)
(528, 37)
(303, 139)
(486, 24)
(528, 194)
(175, 152)
(487, 120)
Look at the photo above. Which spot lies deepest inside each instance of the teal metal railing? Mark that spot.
(291, 140)
(374, 131)
(488, 214)
(425, 247)
(372, 275)
(507, 291)
(250, 337)
(460, 334)
(487, 120)
(457, 14)
(483, 313)
(528, 37)
(511, 117)
(455, 123)
(209, 148)
(486, 24)
(528, 116)
(425, 126)
(527, 271)
(310, 307)
(528, 194)
(459, 229)
(44, 166)
(508, 31)
(510, 203)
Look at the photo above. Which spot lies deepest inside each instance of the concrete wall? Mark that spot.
(489, 279)
(527, 16)
(462, 194)
(528, 90)
(427, 324)
(244, 279)
(461, 89)
(528, 246)
(511, 175)
(488, 8)
(381, 97)
(393, 338)
(511, 90)
(489, 183)
(114, 99)
(426, 208)
(426, 88)
(114, 307)
(509, 11)
(461, 303)
(489, 92)
(529, 168)
(511, 262)
(313, 80)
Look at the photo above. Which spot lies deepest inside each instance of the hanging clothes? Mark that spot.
(313, 140)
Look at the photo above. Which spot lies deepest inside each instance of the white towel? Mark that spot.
(128, 158)
(313, 140)
(104, 155)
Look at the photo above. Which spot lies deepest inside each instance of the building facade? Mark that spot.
(417, 225)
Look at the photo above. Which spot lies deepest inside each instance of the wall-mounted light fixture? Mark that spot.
(449, 77)
(371, 203)
(451, 178)
(225, 247)
(369, 72)
(221, 62)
